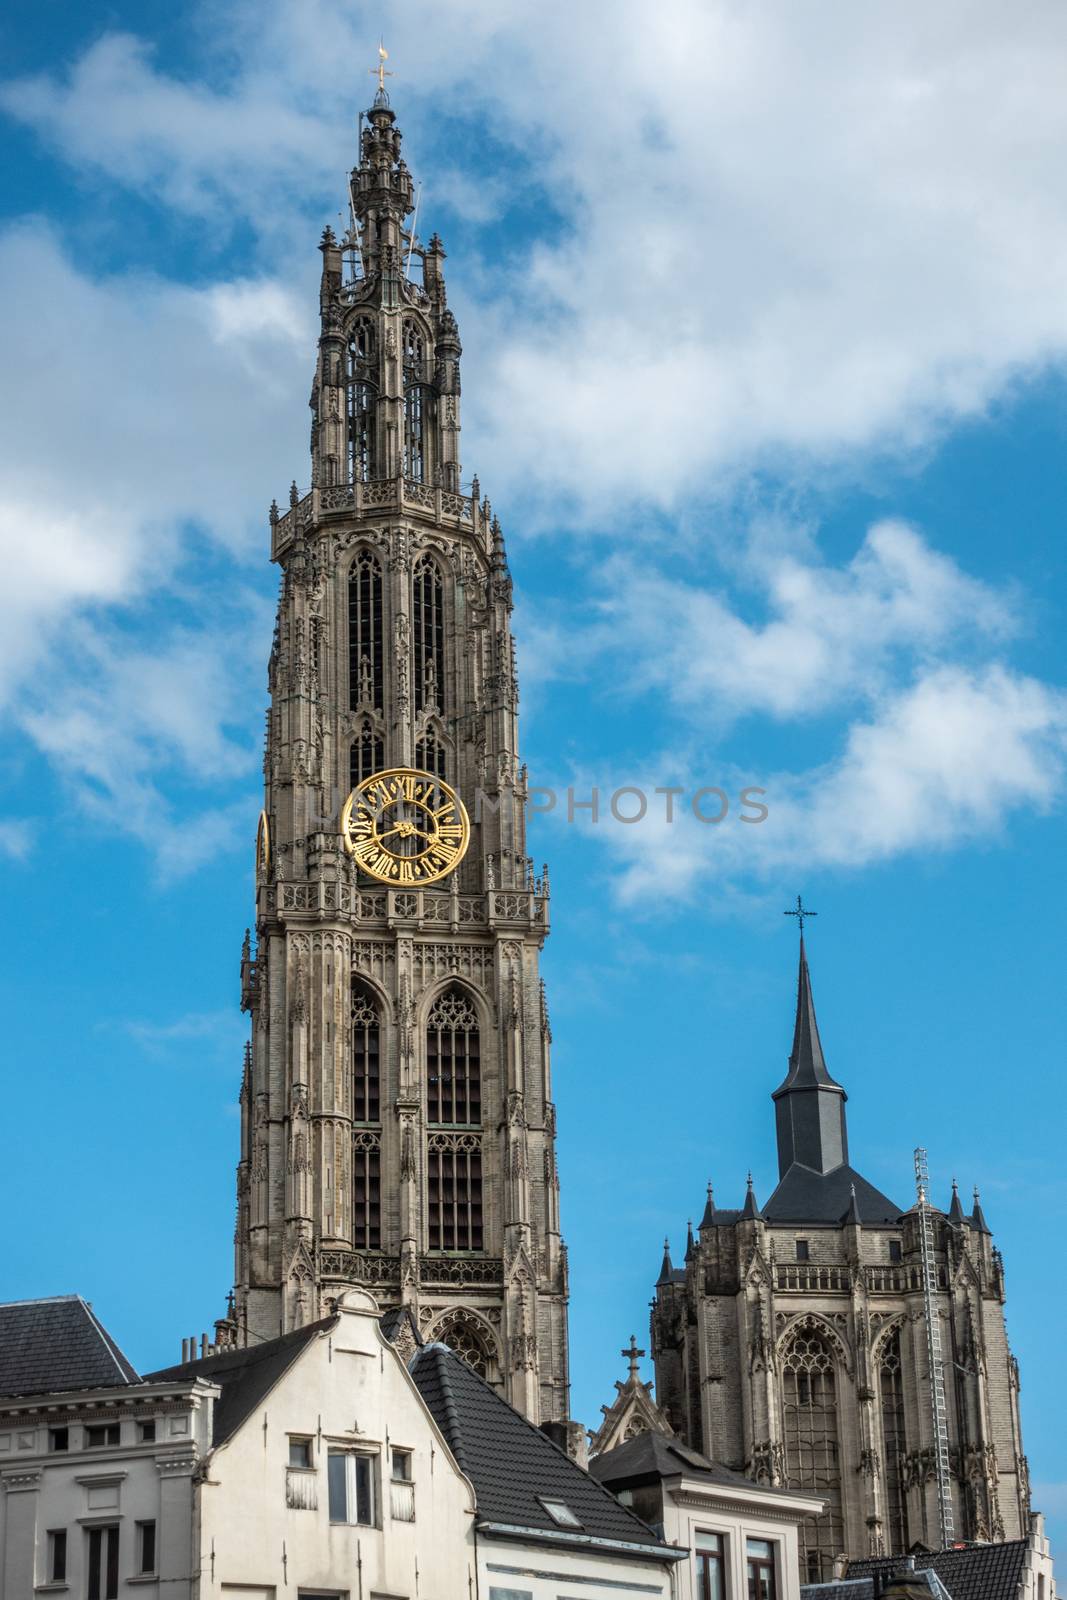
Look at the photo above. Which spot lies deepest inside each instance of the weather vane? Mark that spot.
(800, 913)
(380, 71)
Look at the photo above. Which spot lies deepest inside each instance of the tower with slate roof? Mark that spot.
(791, 1344)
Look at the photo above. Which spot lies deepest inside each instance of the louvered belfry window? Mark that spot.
(361, 400)
(418, 404)
(366, 1069)
(365, 632)
(430, 755)
(366, 756)
(453, 1104)
(428, 635)
(453, 1067)
(454, 1199)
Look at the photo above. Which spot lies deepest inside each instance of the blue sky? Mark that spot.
(765, 321)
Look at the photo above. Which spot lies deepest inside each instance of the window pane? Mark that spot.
(300, 1452)
(710, 1585)
(111, 1592)
(57, 1555)
(148, 1546)
(365, 1490)
(338, 1489)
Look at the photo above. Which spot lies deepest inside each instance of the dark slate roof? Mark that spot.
(54, 1345)
(804, 1195)
(807, 1064)
(657, 1455)
(510, 1462)
(246, 1376)
(974, 1572)
(395, 1321)
(906, 1586)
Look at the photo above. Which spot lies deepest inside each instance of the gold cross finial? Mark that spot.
(380, 71)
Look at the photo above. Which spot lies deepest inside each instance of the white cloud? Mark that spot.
(122, 719)
(195, 148)
(167, 408)
(784, 235)
(16, 837)
(944, 761)
(777, 239)
(825, 636)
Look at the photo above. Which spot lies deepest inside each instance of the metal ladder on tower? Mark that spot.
(938, 1406)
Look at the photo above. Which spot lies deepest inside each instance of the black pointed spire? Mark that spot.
(690, 1243)
(708, 1219)
(750, 1209)
(955, 1211)
(666, 1271)
(852, 1216)
(978, 1221)
(809, 1104)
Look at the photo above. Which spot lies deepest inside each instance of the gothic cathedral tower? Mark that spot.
(397, 1125)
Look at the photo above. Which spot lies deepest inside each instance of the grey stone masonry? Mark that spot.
(392, 649)
(792, 1345)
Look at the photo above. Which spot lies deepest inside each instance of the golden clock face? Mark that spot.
(405, 827)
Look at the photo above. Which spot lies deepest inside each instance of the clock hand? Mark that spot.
(408, 832)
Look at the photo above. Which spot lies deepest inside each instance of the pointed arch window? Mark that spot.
(428, 629)
(365, 632)
(418, 407)
(891, 1393)
(453, 1063)
(430, 754)
(362, 402)
(463, 1335)
(812, 1454)
(366, 756)
(366, 1055)
(367, 1192)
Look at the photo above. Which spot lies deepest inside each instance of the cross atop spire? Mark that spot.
(381, 73)
(633, 1355)
(800, 913)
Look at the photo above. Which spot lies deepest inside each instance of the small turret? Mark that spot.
(666, 1271)
(750, 1210)
(978, 1221)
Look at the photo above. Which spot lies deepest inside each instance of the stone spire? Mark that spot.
(955, 1210)
(809, 1105)
(666, 1271)
(978, 1221)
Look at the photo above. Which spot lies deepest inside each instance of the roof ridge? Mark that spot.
(113, 1349)
(43, 1300)
(455, 1443)
(446, 1355)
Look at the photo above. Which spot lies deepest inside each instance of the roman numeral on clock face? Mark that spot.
(405, 827)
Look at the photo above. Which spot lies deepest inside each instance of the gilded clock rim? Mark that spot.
(459, 846)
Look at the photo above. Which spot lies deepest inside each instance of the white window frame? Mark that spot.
(350, 1457)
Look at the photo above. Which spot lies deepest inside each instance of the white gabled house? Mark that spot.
(342, 1461)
